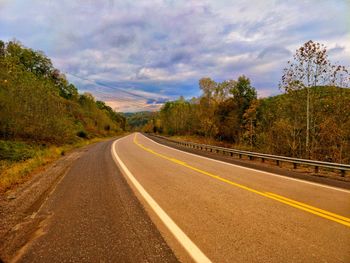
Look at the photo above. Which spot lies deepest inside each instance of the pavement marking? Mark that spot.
(196, 254)
(308, 208)
(252, 169)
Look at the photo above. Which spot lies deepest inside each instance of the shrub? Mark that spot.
(82, 134)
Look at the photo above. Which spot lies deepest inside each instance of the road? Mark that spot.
(235, 214)
(93, 216)
(134, 200)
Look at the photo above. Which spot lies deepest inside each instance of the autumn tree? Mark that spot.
(249, 121)
(206, 107)
(229, 113)
(207, 85)
(309, 68)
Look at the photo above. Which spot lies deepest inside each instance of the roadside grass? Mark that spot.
(20, 160)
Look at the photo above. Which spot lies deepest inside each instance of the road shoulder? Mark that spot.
(82, 209)
(22, 202)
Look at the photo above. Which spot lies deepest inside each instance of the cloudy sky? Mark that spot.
(137, 54)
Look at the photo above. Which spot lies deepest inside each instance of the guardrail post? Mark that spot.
(316, 169)
(240, 156)
(262, 160)
(278, 162)
(231, 154)
(295, 165)
(342, 173)
(250, 157)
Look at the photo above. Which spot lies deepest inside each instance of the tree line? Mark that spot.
(37, 103)
(311, 119)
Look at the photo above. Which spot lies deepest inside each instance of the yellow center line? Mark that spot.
(311, 207)
(308, 208)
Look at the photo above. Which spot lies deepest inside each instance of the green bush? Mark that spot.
(15, 151)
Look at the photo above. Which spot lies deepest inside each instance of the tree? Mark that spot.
(207, 85)
(32, 61)
(2, 49)
(65, 89)
(249, 118)
(243, 92)
(222, 90)
(206, 107)
(310, 68)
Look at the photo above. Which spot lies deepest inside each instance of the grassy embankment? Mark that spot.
(20, 160)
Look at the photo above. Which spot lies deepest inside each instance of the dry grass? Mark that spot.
(14, 173)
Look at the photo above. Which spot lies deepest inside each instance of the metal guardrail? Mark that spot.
(343, 168)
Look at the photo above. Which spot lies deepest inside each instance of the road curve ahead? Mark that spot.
(228, 213)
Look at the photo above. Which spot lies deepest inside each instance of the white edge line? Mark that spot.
(196, 254)
(251, 169)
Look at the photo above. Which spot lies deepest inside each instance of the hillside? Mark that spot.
(39, 104)
(42, 115)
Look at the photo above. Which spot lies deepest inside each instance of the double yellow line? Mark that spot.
(302, 206)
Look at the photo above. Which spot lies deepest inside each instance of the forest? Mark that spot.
(311, 119)
(38, 104)
(42, 114)
(137, 120)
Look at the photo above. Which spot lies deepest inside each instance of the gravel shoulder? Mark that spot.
(18, 206)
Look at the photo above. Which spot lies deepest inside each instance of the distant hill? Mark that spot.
(137, 120)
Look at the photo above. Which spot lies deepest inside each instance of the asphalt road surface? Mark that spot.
(93, 216)
(234, 214)
(134, 200)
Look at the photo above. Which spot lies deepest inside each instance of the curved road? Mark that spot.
(166, 205)
(236, 214)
